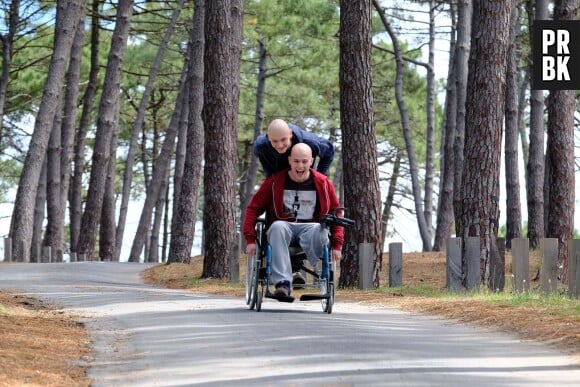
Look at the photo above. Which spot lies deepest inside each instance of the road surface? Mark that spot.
(148, 336)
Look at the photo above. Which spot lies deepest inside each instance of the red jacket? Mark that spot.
(270, 199)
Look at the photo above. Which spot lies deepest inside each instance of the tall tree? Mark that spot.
(88, 100)
(138, 123)
(107, 124)
(485, 103)
(362, 196)
(186, 195)
(535, 166)
(67, 18)
(560, 154)
(223, 34)
(63, 137)
(13, 23)
(461, 58)
(512, 181)
(447, 164)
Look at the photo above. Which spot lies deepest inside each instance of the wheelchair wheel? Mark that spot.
(251, 282)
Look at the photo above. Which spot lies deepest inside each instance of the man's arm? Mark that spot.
(326, 155)
(261, 151)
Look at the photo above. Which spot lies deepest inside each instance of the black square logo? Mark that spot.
(556, 55)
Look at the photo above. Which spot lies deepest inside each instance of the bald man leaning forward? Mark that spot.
(294, 201)
(273, 148)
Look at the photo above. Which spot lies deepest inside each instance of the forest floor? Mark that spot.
(41, 345)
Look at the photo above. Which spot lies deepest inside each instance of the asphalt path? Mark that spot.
(149, 336)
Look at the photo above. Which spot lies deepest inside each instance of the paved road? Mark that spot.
(146, 336)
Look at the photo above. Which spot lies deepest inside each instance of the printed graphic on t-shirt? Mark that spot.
(300, 204)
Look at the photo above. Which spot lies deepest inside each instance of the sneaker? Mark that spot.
(298, 280)
(282, 288)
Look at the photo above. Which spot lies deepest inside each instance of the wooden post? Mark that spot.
(472, 259)
(395, 264)
(23, 256)
(7, 250)
(82, 257)
(59, 256)
(73, 257)
(365, 265)
(574, 268)
(549, 269)
(497, 267)
(521, 264)
(454, 273)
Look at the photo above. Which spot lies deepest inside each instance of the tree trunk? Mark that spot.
(362, 195)
(137, 125)
(186, 199)
(479, 213)
(7, 51)
(160, 171)
(513, 204)
(560, 151)
(430, 132)
(223, 32)
(447, 164)
(84, 123)
(461, 56)
(22, 216)
(535, 166)
(107, 121)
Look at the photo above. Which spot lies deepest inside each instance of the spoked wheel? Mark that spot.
(327, 287)
(251, 282)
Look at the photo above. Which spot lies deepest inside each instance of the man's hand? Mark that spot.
(336, 255)
(251, 249)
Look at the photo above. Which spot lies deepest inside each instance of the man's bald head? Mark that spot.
(278, 128)
(280, 135)
(301, 150)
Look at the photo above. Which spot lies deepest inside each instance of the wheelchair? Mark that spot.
(321, 277)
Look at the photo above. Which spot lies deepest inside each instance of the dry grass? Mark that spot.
(39, 345)
(42, 346)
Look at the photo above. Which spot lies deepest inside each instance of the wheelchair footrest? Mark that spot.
(313, 297)
(280, 297)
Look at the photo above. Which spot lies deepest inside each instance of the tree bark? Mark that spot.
(479, 213)
(107, 122)
(23, 216)
(512, 181)
(560, 151)
(535, 166)
(223, 32)
(186, 196)
(88, 99)
(362, 195)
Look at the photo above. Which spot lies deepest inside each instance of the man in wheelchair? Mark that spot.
(294, 200)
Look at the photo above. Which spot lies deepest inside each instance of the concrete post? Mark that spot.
(454, 272)
(473, 261)
(46, 254)
(497, 266)
(574, 268)
(395, 264)
(521, 264)
(549, 269)
(365, 265)
(235, 259)
(7, 250)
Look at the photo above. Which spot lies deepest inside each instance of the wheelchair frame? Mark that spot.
(258, 270)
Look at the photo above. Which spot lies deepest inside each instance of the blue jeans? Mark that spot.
(311, 237)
